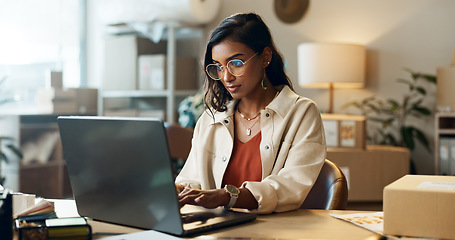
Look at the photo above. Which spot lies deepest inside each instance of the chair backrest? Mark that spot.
(179, 139)
(330, 191)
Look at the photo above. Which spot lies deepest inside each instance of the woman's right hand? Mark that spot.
(205, 198)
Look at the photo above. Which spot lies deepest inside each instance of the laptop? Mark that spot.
(120, 171)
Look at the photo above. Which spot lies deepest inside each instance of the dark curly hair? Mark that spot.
(249, 29)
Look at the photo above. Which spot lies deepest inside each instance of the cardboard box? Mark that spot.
(420, 206)
(152, 71)
(121, 60)
(369, 170)
(54, 79)
(121, 112)
(68, 101)
(54, 100)
(344, 130)
(87, 100)
(155, 113)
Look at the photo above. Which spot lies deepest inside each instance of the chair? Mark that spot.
(179, 140)
(330, 191)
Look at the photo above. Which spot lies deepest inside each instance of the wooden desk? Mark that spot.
(298, 224)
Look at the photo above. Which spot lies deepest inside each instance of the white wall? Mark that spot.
(416, 34)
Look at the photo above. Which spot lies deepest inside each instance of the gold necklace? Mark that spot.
(248, 129)
(259, 113)
(249, 119)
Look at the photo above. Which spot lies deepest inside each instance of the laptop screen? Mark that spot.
(120, 171)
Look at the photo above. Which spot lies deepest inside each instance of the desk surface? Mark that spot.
(299, 224)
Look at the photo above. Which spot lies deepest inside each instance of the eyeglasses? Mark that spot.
(236, 67)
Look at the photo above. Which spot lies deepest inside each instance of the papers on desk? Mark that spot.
(373, 221)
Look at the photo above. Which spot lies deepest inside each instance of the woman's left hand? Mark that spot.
(205, 198)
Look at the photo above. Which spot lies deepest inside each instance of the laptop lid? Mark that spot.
(121, 172)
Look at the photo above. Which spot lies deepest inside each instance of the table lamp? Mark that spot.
(445, 85)
(331, 65)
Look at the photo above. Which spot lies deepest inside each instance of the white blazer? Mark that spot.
(292, 151)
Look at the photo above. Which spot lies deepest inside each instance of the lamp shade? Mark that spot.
(324, 64)
(445, 85)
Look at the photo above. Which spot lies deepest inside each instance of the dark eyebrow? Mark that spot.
(230, 58)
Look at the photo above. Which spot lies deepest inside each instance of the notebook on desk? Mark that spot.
(121, 172)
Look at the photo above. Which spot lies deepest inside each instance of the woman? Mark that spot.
(260, 146)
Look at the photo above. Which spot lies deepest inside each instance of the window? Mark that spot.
(38, 36)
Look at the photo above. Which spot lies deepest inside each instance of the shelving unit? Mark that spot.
(444, 143)
(171, 95)
(48, 178)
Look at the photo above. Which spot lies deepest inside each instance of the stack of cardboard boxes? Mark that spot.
(56, 100)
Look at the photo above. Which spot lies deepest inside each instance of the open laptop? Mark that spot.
(121, 172)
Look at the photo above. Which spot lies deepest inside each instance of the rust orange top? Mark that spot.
(245, 163)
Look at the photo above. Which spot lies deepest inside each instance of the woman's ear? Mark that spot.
(266, 56)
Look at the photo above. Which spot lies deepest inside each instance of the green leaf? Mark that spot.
(422, 110)
(422, 139)
(3, 157)
(388, 122)
(6, 138)
(391, 140)
(411, 72)
(368, 99)
(405, 81)
(15, 150)
(374, 108)
(406, 133)
(349, 104)
(376, 119)
(429, 78)
(417, 103)
(393, 103)
(421, 90)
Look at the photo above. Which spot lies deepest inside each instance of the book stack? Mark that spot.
(75, 228)
(42, 209)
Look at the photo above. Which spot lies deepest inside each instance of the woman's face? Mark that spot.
(249, 82)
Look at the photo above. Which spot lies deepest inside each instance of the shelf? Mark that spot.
(446, 131)
(123, 64)
(145, 93)
(444, 143)
(182, 31)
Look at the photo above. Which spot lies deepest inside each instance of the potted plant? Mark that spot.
(390, 119)
(190, 109)
(5, 141)
(4, 146)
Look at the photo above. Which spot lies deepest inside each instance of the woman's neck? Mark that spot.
(250, 106)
